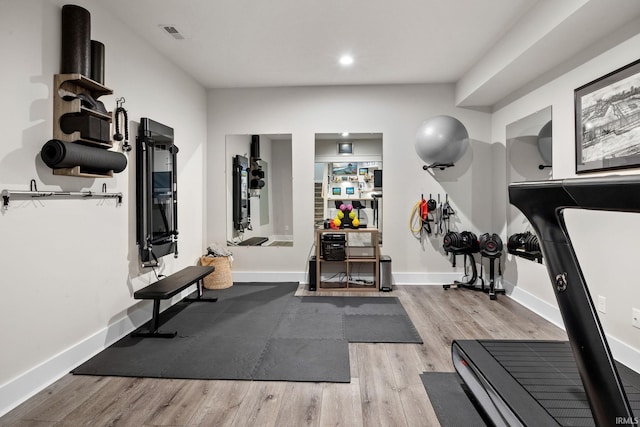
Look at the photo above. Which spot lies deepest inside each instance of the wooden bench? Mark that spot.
(166, 288)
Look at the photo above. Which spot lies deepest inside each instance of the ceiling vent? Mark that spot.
(172, 31)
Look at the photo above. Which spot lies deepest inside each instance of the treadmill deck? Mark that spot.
(535, 376)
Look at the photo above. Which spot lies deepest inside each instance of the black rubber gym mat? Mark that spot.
(391, 328)
(450, 403)
(258, 331)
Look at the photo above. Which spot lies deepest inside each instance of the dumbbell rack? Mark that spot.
(491, 290)
(471, 283)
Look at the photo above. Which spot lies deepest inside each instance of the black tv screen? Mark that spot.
(162, 182)
(377, 178)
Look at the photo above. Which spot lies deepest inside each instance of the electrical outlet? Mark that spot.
(635, 317)
(602, 304)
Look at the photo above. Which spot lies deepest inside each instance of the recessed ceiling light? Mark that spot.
(345, 133)
(346, 60)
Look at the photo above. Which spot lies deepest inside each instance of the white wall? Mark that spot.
(69, 267)
(607, 259)
(281, 189)
(364, 150)
(396, 112)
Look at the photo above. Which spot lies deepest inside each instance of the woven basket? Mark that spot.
(221, 278)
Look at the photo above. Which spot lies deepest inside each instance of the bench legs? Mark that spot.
(199, 297)
(155, 320)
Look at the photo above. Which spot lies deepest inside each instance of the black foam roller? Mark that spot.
(97, 61)
(76, 40)
(255, 146)
(58, 154)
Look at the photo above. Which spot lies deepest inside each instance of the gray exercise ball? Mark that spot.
(545, 143)
(441, 140)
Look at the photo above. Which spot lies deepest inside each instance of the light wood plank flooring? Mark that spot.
(385, 388)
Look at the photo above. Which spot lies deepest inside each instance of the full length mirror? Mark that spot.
(348, 171)
(528, 145)
(259, 190)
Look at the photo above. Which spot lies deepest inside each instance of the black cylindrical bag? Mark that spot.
(75, 52)
(58, 154)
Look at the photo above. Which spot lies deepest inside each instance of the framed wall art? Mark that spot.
(607, 123)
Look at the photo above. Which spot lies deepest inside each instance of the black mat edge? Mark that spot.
(452, 405)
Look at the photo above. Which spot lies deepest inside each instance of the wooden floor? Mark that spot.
(385, 388)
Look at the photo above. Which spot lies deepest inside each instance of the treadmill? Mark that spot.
(551, 383)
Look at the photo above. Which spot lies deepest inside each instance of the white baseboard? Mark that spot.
(424, 278)
(270, 276)
(542, 308)
(621, 351)
(303, 277)
(29, 383)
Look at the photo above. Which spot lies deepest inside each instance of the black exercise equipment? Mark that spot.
(254, 241)
(491, 247)
(466, 243)
(375, 205)
(97, 61)
(168, 287)
(241, 205)
(496, 372)
(59, 154)
(358, 206)
(89, 126)
(462, 243)
(525, 245)
(156, 192)
(124, 122)
(256, 174)
(75, 52)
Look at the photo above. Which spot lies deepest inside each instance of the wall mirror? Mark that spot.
(259, 190)
(156, 198)
(528, 145)
(348, 170)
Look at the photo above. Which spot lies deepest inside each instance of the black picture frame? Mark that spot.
(607, 121)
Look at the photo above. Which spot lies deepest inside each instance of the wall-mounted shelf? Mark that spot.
(441, 166)
(74, 84)
(26, 195)
(77, 171)
(65, 103)
(93, 87)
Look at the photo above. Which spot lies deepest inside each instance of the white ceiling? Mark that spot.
(253, 43)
